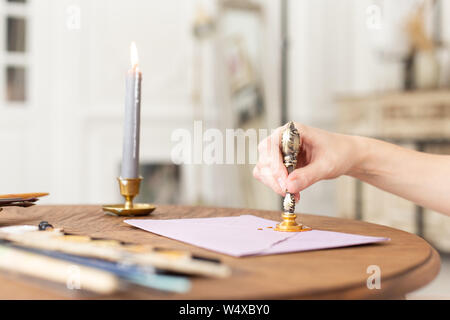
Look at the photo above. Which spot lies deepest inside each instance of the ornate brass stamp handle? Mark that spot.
(290, 148)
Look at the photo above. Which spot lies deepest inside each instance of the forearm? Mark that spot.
(416, 176)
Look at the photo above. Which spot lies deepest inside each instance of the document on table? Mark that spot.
(248, 235)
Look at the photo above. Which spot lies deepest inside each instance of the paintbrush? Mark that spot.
(24, 195)
(23, 200)
(23, 204)
(11, 200)
(111, 250)
(144, 277)
(38, 266)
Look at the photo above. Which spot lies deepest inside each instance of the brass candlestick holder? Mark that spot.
(290, 147)
(129, 189)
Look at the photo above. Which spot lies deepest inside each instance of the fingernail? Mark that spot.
(282, 184)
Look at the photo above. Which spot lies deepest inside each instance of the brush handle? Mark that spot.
(58, 271)
(24, 195)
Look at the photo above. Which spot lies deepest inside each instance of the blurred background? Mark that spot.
(375, 68)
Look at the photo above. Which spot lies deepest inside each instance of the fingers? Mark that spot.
(302, 178)
(270, 169)
(266, 176)
(276, 158)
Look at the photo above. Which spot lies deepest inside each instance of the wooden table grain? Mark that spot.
(407, 262)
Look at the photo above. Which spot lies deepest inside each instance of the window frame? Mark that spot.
(14, 59)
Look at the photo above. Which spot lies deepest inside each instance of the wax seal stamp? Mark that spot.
(290, 148)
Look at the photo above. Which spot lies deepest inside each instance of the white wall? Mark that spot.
(333, 52)
(330, 54)
(318, 34)
(68, 140)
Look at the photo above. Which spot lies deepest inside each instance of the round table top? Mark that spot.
(407, 262)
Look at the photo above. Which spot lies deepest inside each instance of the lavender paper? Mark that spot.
(240, 236)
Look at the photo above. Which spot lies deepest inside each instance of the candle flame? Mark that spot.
(134, 55)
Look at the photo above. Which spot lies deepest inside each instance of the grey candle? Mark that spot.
(130, 155)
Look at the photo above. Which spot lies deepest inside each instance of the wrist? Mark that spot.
(360, 153)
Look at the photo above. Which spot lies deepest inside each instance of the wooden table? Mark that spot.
(407, 262)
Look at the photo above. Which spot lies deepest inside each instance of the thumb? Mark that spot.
(302, 178)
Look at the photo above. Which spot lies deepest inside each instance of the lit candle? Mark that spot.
(130, 155)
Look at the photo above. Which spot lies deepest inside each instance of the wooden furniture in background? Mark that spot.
(419, 120)
(407, 262)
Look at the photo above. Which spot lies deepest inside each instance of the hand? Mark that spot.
(323, 155)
